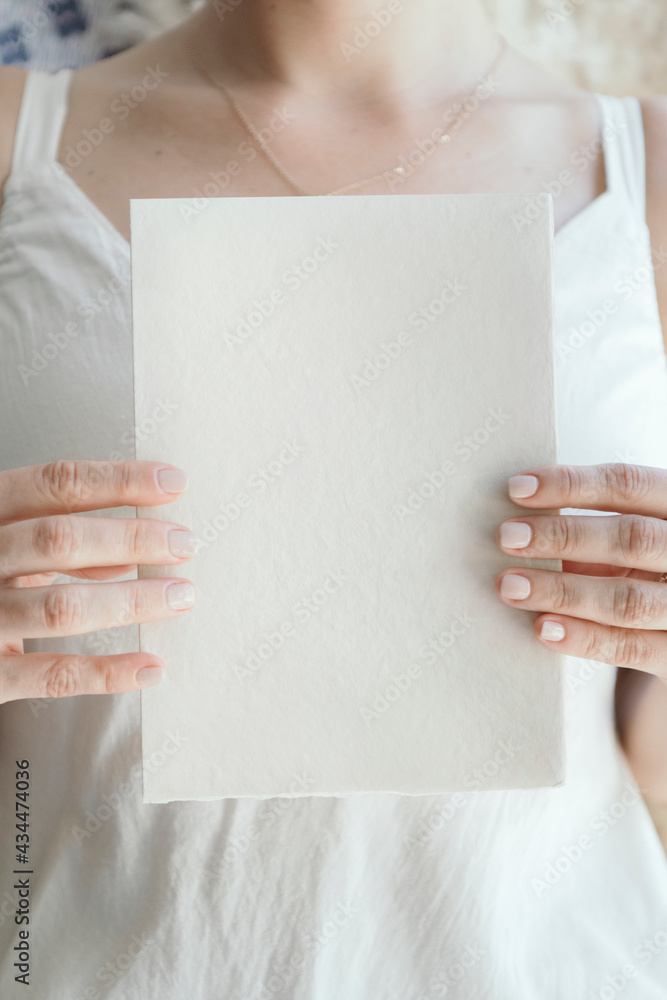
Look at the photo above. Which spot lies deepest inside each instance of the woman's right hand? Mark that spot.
(40, 536)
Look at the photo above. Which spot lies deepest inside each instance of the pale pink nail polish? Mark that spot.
(515, 535)
(519, 487)
(172, 480)
(182, 543)
(148, 676)
(180, 596)
(552, 631)
(514, 587)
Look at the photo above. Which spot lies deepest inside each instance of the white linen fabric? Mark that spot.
(558, 893)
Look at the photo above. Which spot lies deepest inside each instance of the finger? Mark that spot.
(628, 602)
(52, 675)
(64, 487)
(76, 608)
(638, 649)
(614, 486)
(629, 540)
(63, 542)
(101, 572)
(90, 573)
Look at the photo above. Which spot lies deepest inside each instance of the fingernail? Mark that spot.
(180, 596)
(519, 487)
(515, 534)
(182, 543)
(148, 676)
(553, 631)
(172, 480)
(515, 588)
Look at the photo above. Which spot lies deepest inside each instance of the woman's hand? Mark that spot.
(41, 536)
(608, 604)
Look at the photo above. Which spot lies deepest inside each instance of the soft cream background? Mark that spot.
(612, 46)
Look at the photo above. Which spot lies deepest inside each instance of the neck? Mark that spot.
(363, 50)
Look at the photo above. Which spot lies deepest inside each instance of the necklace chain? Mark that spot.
(289, 179)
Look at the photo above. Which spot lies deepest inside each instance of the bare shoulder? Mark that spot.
(12, 80)
(654, 114)
(135, 90)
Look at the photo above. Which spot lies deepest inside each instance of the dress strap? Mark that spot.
(624, 149)
(41, 118)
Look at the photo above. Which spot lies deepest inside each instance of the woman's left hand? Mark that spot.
(608, 603)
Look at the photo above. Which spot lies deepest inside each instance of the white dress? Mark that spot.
(556, 894)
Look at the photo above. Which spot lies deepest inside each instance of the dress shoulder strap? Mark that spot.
(624, 149)
(41, 118)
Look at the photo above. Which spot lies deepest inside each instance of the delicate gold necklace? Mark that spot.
(268, 153)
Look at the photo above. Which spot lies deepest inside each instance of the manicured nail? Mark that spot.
(552, 631)
(172, 480)
(180, 596)
(148, 676)
(514, 587)
(519, 487)
(515, 534)
(182, 543)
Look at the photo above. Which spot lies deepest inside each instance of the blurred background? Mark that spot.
(611, 46)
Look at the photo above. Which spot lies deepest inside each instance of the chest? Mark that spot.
(168, 147)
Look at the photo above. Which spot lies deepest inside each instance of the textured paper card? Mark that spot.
(348, 383)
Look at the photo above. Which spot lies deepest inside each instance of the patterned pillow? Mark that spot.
(52, 34)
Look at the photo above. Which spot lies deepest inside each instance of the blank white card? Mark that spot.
(348, 383)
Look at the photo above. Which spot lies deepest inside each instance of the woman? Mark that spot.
(499, 896)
